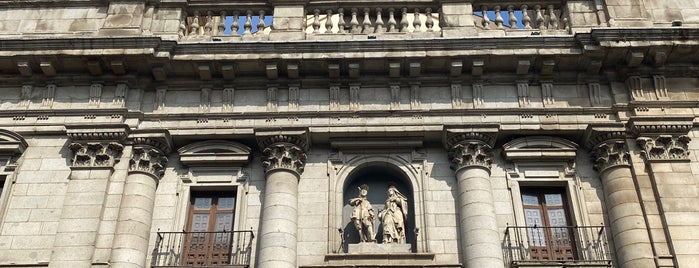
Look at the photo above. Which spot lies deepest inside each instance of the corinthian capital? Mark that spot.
(148, 159)
(284, 155)
(664, 147)
(610, 153)
(96, 146)
(150, 147)
(471, 153)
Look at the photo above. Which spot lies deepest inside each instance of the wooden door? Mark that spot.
(209, 236)
(549, 233)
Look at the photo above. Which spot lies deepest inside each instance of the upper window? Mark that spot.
(209, 225)
(547, 219)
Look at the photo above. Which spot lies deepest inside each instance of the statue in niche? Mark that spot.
(393, 216)
(363, 215)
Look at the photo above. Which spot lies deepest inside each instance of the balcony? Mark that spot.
(203, 249)
(569, 246)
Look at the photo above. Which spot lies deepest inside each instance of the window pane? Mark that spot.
(554, 200)
(201, 203)
(530, 199)
(557, 217)
(224, 222)
(200, 223)
(226, 203)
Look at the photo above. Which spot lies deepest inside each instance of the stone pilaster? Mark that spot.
(96, 149)
(146, 167)
(471, 156)
(664, 148)
(283, 159)
(629, 232)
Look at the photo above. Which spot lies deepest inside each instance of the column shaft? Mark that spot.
(134, 221)
(279, 220)
(480, 240)
(631, 241)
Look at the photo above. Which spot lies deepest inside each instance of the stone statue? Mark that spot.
(363, 215)
(393, 216)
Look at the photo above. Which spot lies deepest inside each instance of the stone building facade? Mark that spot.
(173, 133)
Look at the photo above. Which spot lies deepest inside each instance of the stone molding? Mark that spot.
(664, 148)
(540, 148)
(102, 132)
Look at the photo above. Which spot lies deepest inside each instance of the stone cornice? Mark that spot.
(453, 135)
(100, 132)
(665, 125)
(158, 138)
(597, 134)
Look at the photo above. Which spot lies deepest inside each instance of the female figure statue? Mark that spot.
(393, 216)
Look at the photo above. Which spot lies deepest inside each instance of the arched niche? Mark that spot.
(378, 177)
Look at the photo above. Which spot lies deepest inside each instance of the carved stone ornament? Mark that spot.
(95, 154)
(284, 155)
(611, 153)
(471, 153)
(664, 147)
(148, 159)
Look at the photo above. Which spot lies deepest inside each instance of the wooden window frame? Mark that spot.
(550, 250)
(214, 253)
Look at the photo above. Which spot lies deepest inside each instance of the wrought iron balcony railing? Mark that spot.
(534, 245)
(202, 249)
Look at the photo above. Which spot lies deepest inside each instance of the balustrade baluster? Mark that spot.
(248, 23)
(486, 20)
(513, 19)
(367, 22)
(209, 26)
(526, 20)
(261, 23)
(194, 27)
(553, 19)
(417, 23)
(404, 19)
(182, 32)
(498, 18)
(428, 19)
(235, 26)
(316, 21)
(328, 21)
(354, 23)
(341, 20)
(221, 23)
(391, 20)
(539, 18)
(379, 21)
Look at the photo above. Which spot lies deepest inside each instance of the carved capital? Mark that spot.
(471, 153)
(148, 159)
(664, 147)
(95, 154)
(610, 153)
(284, 155)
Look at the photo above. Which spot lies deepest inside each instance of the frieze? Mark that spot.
(664, 147)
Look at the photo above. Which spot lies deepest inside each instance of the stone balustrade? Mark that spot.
(224, 24)
(541, 17)
(372, 20)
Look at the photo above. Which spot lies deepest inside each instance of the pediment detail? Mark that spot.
(214, 153)
(540, 148)
(11, 143)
